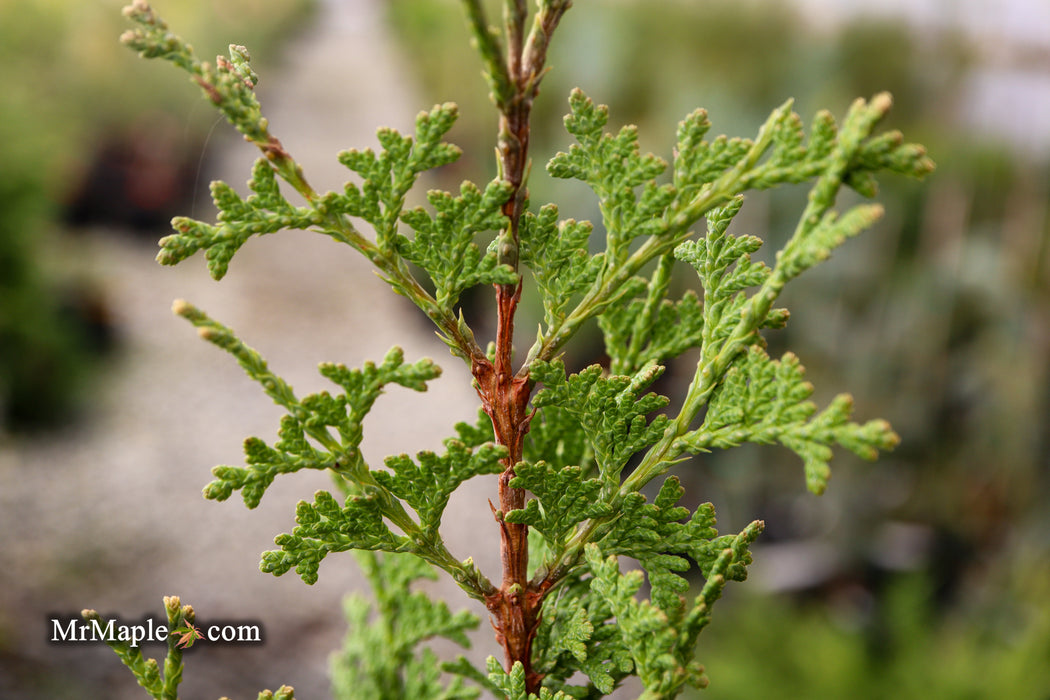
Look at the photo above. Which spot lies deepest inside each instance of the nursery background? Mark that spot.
(924, 574)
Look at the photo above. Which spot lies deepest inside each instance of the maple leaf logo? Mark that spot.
(187, 635)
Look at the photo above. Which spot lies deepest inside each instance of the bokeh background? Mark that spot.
(925, 574)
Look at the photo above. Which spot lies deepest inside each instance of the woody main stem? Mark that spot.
(504, 393)
(515, 71)
(514, 610)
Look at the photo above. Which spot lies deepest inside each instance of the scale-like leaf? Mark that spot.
(643, 627)
(586, 427)
(614, 167)
(444, 243)
(662, 639)
(822, 236)
(266, 211)
(637, 334)
(311, 417)
(577, 633)
(765, 401)
(477, 434)
(664, 537)
(426, 484)
(325, 527)
(291, 453)
(611, 411)
(512, 685)
(556, 252)
(723, 262)
(563, 498)
(381, 655)
(554, 436)
(388, 176)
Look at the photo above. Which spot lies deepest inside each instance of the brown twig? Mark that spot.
(515, 607)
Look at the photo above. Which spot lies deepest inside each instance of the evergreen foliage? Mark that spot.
(573, 451)
(380, 659)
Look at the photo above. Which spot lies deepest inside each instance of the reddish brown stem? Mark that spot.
(515, 607)
(515, 611)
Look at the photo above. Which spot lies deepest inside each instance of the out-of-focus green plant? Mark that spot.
(40, 354)
(901, 644)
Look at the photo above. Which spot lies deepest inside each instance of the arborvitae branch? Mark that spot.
(486, 40)
(160, 685)
(568, 609)
(707, 175)
(229, 84)
(381, 657)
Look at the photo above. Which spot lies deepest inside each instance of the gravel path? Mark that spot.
(110, 515)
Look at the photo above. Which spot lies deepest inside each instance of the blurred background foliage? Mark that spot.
(925, 574)
(88, 137)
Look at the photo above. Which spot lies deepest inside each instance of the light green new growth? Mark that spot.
(380, 658)
(570, 623)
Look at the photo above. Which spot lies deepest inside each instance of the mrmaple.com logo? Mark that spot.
(78, 630)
